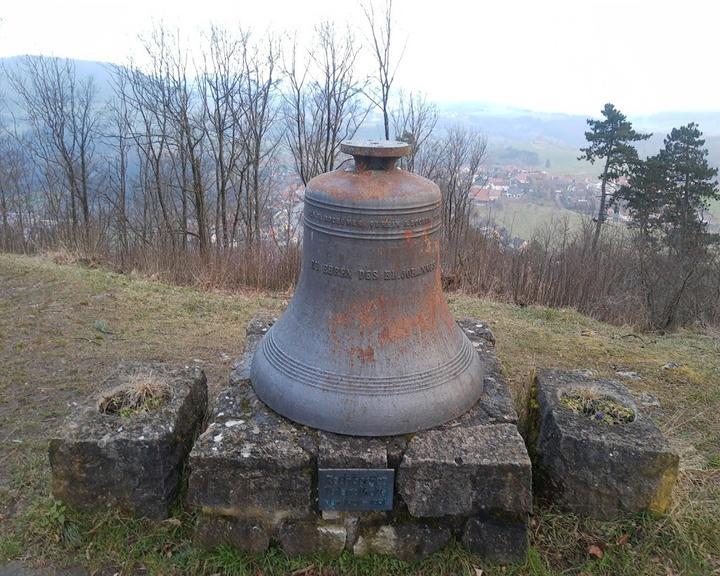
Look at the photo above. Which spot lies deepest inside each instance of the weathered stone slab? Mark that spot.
(497, 540)
(303, 537)
(256, 329)
(133, 462)
(251, 462)
(351, 452)
(410, 541)
(463, 471)
(245, 534)
(593, 468)
(496, 404)
(494, 407)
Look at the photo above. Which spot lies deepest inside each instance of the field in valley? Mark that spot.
(524, 219)
(63, 326)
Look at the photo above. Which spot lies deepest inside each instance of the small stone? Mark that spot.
(477, 331)
(647, 400)
(628, 375)
(670, 366)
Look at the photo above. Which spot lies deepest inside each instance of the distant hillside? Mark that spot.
(99, 71)
(523, 137)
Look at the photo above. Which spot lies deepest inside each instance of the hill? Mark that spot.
(553, 137)
(63, 326)
(10, 108)
(558, 137)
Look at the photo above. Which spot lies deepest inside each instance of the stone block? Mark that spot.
(351, 452)
(463, 471)
(593, 468)
(409, 541)
(246, 534)
(132, 461)
(257, 471)
(254, 332)
(302, 537)
(251, 462)
(497, 540)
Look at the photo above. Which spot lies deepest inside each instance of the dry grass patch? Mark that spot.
(144, 391)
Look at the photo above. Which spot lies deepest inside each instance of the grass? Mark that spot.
(599, 409)
(144, 391)
(523, 219)
(563, 159)
(62, 328)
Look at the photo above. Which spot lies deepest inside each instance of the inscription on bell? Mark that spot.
(355, 489)
(364, 274)
(370, 223)
(331, 270)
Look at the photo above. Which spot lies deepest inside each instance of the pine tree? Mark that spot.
(610, 140)
(667, 196)
(690, 185)
(643, 195)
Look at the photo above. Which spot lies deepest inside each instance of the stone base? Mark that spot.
(132, 462)
(254, 477)
(593, 468)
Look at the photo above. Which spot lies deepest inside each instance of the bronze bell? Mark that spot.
(368, 345)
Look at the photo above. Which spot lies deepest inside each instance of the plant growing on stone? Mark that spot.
(598, 408)
(143, 392)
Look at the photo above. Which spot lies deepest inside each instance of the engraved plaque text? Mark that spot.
(355, 489)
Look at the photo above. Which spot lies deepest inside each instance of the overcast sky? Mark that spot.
(549, 55)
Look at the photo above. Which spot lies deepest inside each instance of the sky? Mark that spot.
(571, 56)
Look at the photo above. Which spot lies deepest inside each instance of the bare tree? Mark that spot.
(414, 121)
(146, 91)
(463, 151)
(119, 138)
(380, 33)
(322, 106)
(15, 204)
(62, 113)
(260, 137)
(221, 84)
(188, 137)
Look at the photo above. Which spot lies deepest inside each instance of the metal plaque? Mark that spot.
(355, 489)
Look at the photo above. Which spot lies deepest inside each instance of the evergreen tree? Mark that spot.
(643, 195)
(610, 140)
(689, 186)
(667, 196)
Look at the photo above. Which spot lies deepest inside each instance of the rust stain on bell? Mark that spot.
(368, 345)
